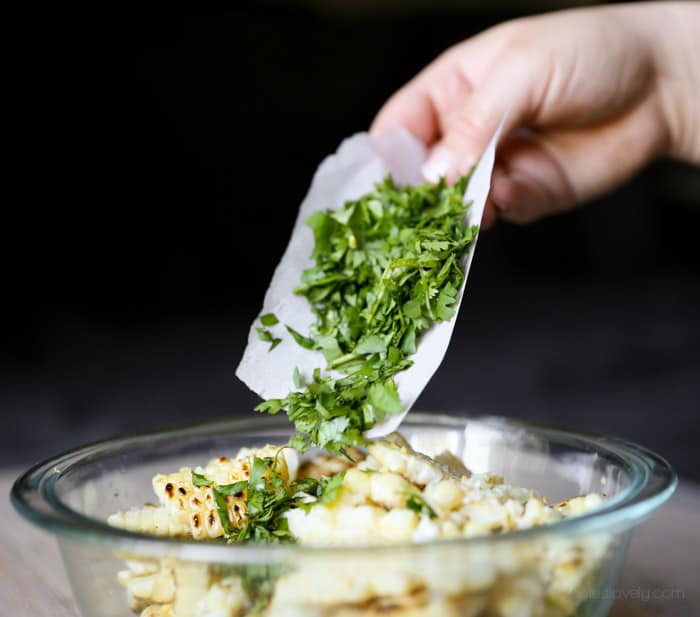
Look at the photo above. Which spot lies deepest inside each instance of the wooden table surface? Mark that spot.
(660, 580)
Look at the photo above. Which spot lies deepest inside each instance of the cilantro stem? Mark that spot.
(344, 359)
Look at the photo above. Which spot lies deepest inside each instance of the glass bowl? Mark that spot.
(570, 567)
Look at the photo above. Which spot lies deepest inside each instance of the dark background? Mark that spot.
(164, 157)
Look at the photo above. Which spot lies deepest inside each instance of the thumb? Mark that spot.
(469, 127)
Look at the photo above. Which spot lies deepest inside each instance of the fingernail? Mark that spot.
(440, 164)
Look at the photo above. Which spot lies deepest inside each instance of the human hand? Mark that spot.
(593, 95)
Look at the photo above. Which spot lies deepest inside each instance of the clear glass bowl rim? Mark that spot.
(653, 481)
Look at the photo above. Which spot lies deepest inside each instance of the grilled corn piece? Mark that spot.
(188, 510)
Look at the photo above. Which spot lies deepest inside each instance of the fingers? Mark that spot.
(548, 173)
(506, 93)
(410, 108)
(442, 109)
(488, 218)
(428, 105)
(420, 105)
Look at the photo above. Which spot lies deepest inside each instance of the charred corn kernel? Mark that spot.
(224, 470)
(580, 505)
(389, 489)
(445, 495)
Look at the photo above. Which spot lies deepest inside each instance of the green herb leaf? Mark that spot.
(271, 406)
(264, 335)
(199, 480)
(275, 342)
(332, 430)
(331, 489)
(371, 344)
(415, 502)
(236, 488)
(269, 319)
(329, 346)
(305, 342)
(257, 471)
(384, 397)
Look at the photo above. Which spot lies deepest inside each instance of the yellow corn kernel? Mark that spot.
(445, 495)
(192, 580)
(357, 482)
(149, 519)
(158, 610)
(398, 525)
(389, 489)
(226, 598)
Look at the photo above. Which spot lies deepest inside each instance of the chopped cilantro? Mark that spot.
(269, 319)
(199, 479)
(304, 341)
(415, 502)
(264, 335)
(387, 265)
(267, 337)
(330, 489)
(296, 377)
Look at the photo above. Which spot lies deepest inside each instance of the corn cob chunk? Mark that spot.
(155, 520)
(189, 510)
(580, 504)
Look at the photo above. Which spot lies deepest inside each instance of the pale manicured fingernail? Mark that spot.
(440, 164)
